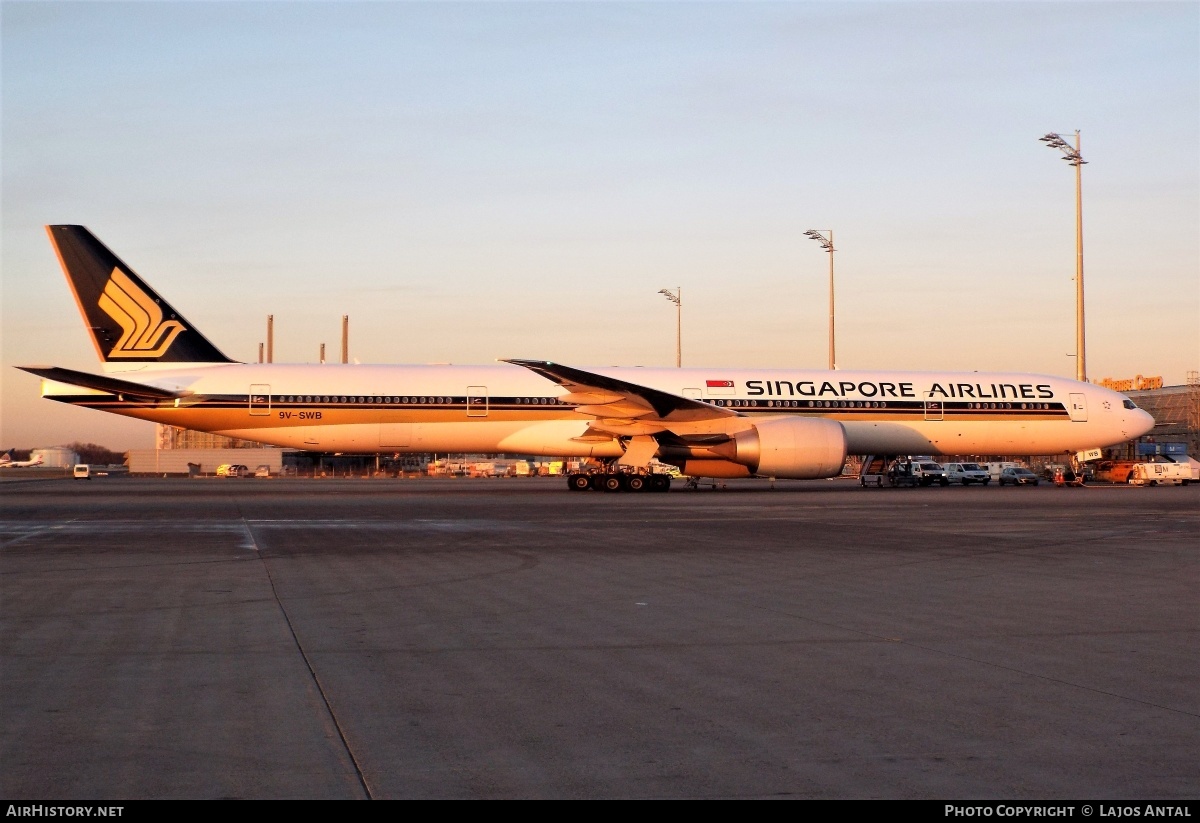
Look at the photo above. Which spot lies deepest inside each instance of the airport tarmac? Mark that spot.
(507, 638)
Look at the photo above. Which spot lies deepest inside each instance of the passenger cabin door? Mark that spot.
(260, 399)
(933, 408)
(477, 401)
(1077, 407)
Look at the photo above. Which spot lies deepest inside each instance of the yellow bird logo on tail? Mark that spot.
(145, 333)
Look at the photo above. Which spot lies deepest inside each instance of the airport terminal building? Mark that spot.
(185, 452)
(1176, 412)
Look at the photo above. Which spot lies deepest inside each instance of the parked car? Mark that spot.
(262, 471)
(232, 470)
(1017, 476)
(967, 473)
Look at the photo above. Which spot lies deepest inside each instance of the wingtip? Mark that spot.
(518, 361)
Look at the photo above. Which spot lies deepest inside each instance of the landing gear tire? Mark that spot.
(635, 483)
(610, 483)
(579, 482)
(659, 482)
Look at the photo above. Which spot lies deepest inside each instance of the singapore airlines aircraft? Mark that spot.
(711, 422)
(6, 461)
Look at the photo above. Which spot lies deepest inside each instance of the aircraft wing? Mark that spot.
(624, 407)
(99, 383)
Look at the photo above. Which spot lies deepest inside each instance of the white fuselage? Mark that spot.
(509, 409)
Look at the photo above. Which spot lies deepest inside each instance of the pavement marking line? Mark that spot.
(362, 778)
(32, 530)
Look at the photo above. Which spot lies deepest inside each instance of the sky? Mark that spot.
(475, 181)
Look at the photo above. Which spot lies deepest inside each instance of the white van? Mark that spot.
(82, 471)
(967, 473)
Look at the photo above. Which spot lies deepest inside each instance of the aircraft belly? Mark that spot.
(882, 437)
(557, 438)
(352, 437)
(949, 437)
(552, 438)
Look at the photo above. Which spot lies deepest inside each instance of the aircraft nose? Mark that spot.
(1143, 423)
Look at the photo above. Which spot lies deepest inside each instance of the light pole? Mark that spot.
(1074, 158)
(676, 297)
(827, 245)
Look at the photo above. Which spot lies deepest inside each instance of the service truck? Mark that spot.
(1160, 474)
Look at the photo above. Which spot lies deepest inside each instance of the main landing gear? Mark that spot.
(619, 482)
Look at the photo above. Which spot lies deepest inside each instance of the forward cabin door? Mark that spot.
(260, 399)
(1077, 407)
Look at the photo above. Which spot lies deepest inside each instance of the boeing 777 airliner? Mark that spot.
(711, 422)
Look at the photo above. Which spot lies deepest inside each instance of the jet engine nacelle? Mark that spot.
(776, 447)
(798, 449)
(787, 447)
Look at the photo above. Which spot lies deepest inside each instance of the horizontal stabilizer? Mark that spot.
(99, 383)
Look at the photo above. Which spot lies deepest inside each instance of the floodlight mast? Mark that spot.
(1074, 158)
(676, 297)
(827, 245)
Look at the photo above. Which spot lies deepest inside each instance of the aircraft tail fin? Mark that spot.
(129, 322)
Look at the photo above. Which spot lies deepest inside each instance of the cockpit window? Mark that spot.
(1129, 404)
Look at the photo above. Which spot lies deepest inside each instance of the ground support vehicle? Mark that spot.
(917, 472)
(967, 473)
(900, 473)
(519, 468)
(874, 470)
(1114, 471)
(1160, 474)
